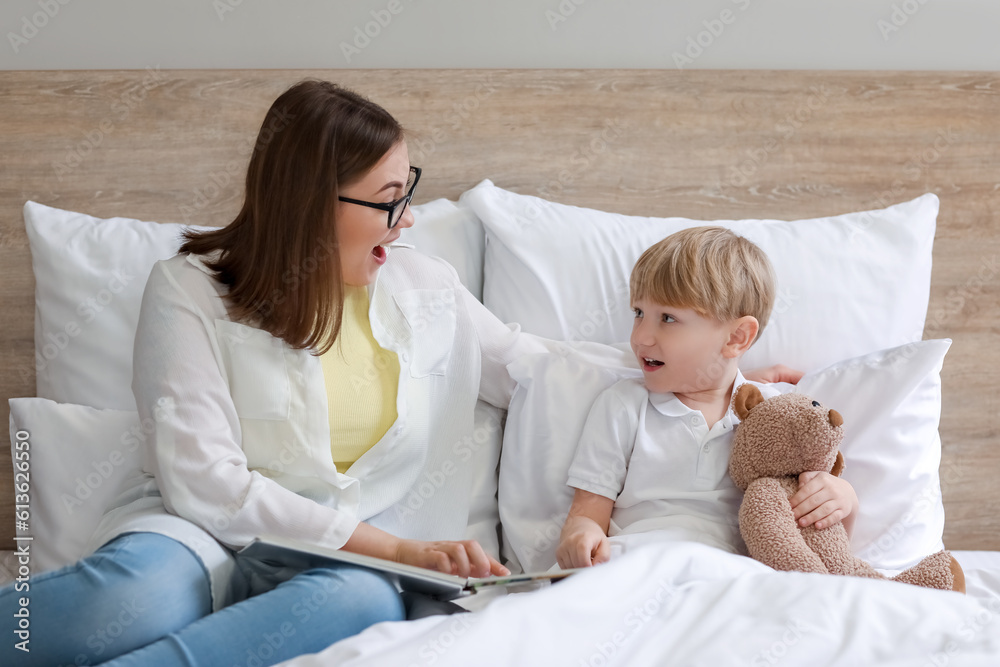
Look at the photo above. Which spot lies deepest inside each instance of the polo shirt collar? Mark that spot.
(669, 405)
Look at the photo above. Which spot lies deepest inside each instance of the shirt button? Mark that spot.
(405, 357)
(708, 448)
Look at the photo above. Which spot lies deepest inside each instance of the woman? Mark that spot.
(258, 345)
(303, 383)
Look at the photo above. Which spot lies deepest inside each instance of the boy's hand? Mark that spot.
(776, 373)
(464, 559)
(823, 500)
(582, 544)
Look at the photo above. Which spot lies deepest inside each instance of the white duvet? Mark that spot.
(689, 604)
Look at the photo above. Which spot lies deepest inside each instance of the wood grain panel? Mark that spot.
(171, 146)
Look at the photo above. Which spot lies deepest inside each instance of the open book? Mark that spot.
(406, 577)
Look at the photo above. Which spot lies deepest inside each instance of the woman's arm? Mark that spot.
(502, 344)
(194, 447)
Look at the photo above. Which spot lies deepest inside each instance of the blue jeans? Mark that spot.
(143, 599)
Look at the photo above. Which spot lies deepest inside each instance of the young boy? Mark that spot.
(654, 454)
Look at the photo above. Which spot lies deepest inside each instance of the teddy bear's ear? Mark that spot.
(747, 398)
(838, 465)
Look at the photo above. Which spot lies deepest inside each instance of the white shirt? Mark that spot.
(663, 466)
(239, 437)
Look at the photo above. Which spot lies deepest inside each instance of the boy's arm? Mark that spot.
(598, 473)
(823, 500)
(584, 539)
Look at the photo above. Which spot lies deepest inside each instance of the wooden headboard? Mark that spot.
(700, 144)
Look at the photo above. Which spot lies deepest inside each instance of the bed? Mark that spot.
(873, 192)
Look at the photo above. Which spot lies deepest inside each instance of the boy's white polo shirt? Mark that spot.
(661, 464)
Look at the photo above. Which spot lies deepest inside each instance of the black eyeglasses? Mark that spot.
(395, 208)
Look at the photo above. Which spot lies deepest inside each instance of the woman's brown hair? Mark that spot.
(280, 256)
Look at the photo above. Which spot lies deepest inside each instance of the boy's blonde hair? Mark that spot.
(710, 270)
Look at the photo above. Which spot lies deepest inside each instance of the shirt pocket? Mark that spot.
(431, 316)
(257, 371)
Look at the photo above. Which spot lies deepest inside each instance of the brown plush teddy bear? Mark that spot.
(778, 439)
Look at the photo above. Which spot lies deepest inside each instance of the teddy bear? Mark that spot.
(778, 439)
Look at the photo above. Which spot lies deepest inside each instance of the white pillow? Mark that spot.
(890, 400)
(847, 284)
(544, 422)
(90, 274)
(444, 229)
(89, 278)
(79, 459)
(484, 446)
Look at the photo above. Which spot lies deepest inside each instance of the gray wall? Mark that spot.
(732, 34)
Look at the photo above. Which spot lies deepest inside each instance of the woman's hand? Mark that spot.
(582, 544)
(776, 373)
(464, 559)
(823, 500)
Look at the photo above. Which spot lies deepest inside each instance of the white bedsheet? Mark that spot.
(693, 605)
(688, 604)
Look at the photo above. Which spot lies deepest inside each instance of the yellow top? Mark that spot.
(361, 380)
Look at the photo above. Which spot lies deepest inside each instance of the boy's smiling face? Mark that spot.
(678, 349)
